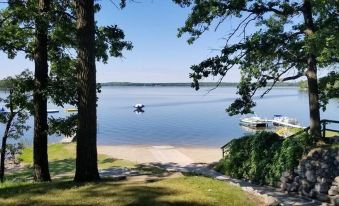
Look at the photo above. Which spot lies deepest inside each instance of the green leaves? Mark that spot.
(329, 88)
(110, 42)
(269, 43)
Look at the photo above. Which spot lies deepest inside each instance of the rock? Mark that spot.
(313, 193)
(310, 176)
(296, 179)
(118, 177)
(283, 179)
(283, 186)
(336, 181)
(293, 187)
(305, 185)
(333, 191)
(322, 197)
(324, 166)
(305, 192)
(286, 174)
(335, 200)
(321, 187)
(271, 201)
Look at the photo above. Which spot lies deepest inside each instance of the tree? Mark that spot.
(329, 88)
(17, 103)
(86, 160)
(18, 24)
(40, 155)
(32, 27)
(90, 45)
(273, 41)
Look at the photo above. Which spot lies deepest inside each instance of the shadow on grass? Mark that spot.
(57, 167)
(109, 160)
(103, 193)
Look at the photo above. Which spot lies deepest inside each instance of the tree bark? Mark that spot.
(3, 147)
(86, 159)
(311, 74)
(40, 156)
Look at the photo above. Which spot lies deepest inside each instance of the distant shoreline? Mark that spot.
(3, 85)
(203, 84)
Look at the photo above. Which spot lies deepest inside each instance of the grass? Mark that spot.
(180, 191)
(190, 190)
(62, 163)
(332, 134)
(289, 131)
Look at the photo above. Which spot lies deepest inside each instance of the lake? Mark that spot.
(180, 116)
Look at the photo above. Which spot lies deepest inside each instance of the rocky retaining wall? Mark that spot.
(317, 176)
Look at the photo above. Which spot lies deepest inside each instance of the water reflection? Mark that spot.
(139, 111)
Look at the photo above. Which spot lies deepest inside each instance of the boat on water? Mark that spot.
(253, 122)
(139, 106)
(280, 120)
(52, 111)
(72, 110)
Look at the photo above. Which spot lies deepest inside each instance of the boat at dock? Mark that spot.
(280, 120)
(253, 122)
(72, 110)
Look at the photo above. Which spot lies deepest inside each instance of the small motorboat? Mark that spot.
(52, 111)
(139, 106)
(280, 120)
(253, 122)
(72, 110)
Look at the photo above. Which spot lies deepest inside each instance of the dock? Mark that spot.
(286, 124)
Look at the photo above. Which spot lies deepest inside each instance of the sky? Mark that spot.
(158, 54)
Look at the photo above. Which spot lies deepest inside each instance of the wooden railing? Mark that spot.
(323, 122)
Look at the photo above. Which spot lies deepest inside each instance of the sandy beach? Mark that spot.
(162, 154)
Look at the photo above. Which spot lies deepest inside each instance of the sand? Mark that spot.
(143, 154)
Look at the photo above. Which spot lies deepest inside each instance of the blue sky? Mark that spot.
(158, 55)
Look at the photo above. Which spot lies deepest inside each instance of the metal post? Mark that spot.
(324, 129)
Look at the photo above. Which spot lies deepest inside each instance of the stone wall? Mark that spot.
(317, 176)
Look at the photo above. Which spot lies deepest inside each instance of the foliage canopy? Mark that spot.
(271, 42)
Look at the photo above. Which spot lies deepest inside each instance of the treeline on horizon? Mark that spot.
(4, 84)
(187, 84)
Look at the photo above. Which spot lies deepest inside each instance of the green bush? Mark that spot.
(263, 157)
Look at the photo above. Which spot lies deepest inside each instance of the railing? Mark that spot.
(323, 122)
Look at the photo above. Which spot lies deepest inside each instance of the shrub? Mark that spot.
(262, 157)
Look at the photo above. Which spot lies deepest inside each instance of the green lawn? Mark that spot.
(62, 163)
(185, 190)
(190, 190)
(332, 134)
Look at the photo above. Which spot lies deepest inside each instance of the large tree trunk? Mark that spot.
(40, 156)
(311, 74)
(86, 159)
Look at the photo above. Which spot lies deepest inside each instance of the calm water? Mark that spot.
(181, 116)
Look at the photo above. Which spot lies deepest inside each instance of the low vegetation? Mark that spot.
(262, 157)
